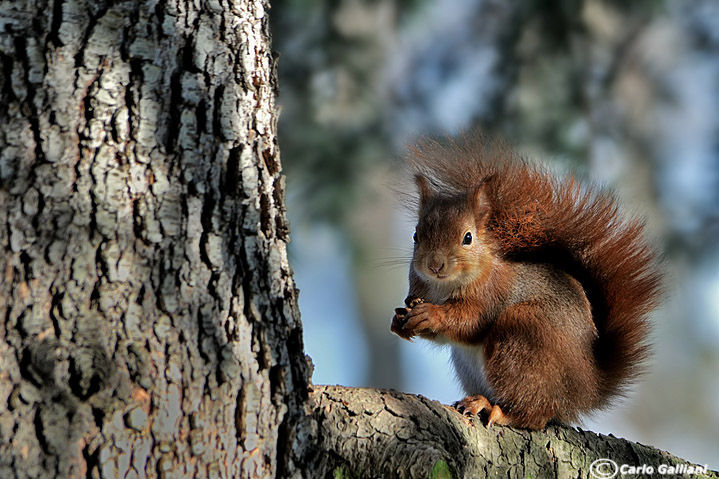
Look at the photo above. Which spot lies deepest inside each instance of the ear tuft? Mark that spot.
(479, 203)
(425, 192)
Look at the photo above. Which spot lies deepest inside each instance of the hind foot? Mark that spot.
(473, 405)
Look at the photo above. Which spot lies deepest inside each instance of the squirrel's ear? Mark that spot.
(479, 203)
(425, 193)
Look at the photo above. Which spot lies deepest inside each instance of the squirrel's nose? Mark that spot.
(436, 269)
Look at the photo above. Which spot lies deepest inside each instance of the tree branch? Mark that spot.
(377, 433)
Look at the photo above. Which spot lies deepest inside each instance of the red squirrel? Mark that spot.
(540, 286)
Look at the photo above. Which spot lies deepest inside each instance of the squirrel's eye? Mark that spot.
(414, 238)
(467, 239)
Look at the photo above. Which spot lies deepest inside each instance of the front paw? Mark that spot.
(411, 301)
(423, 320)
(398, 320)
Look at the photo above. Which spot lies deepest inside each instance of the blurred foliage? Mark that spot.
(342, 95)
(330, 128)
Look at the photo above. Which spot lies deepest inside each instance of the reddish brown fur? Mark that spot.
(535, 218)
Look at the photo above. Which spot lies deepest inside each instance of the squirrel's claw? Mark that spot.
(473, 405)
(398, 321)
(496, 416)
(424, 319)
(412, 301)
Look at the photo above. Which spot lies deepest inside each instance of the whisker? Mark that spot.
(403, 251)
(392, 262)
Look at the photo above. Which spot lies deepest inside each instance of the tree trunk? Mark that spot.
(148, 317)
(148, 320)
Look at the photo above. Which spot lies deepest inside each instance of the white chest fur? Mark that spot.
(468, 363)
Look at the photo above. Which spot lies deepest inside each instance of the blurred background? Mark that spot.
(621, 93)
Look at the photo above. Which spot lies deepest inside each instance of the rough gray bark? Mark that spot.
(148, 320)
(376, 433)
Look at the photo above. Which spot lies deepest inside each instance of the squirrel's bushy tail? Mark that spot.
(537, 217)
